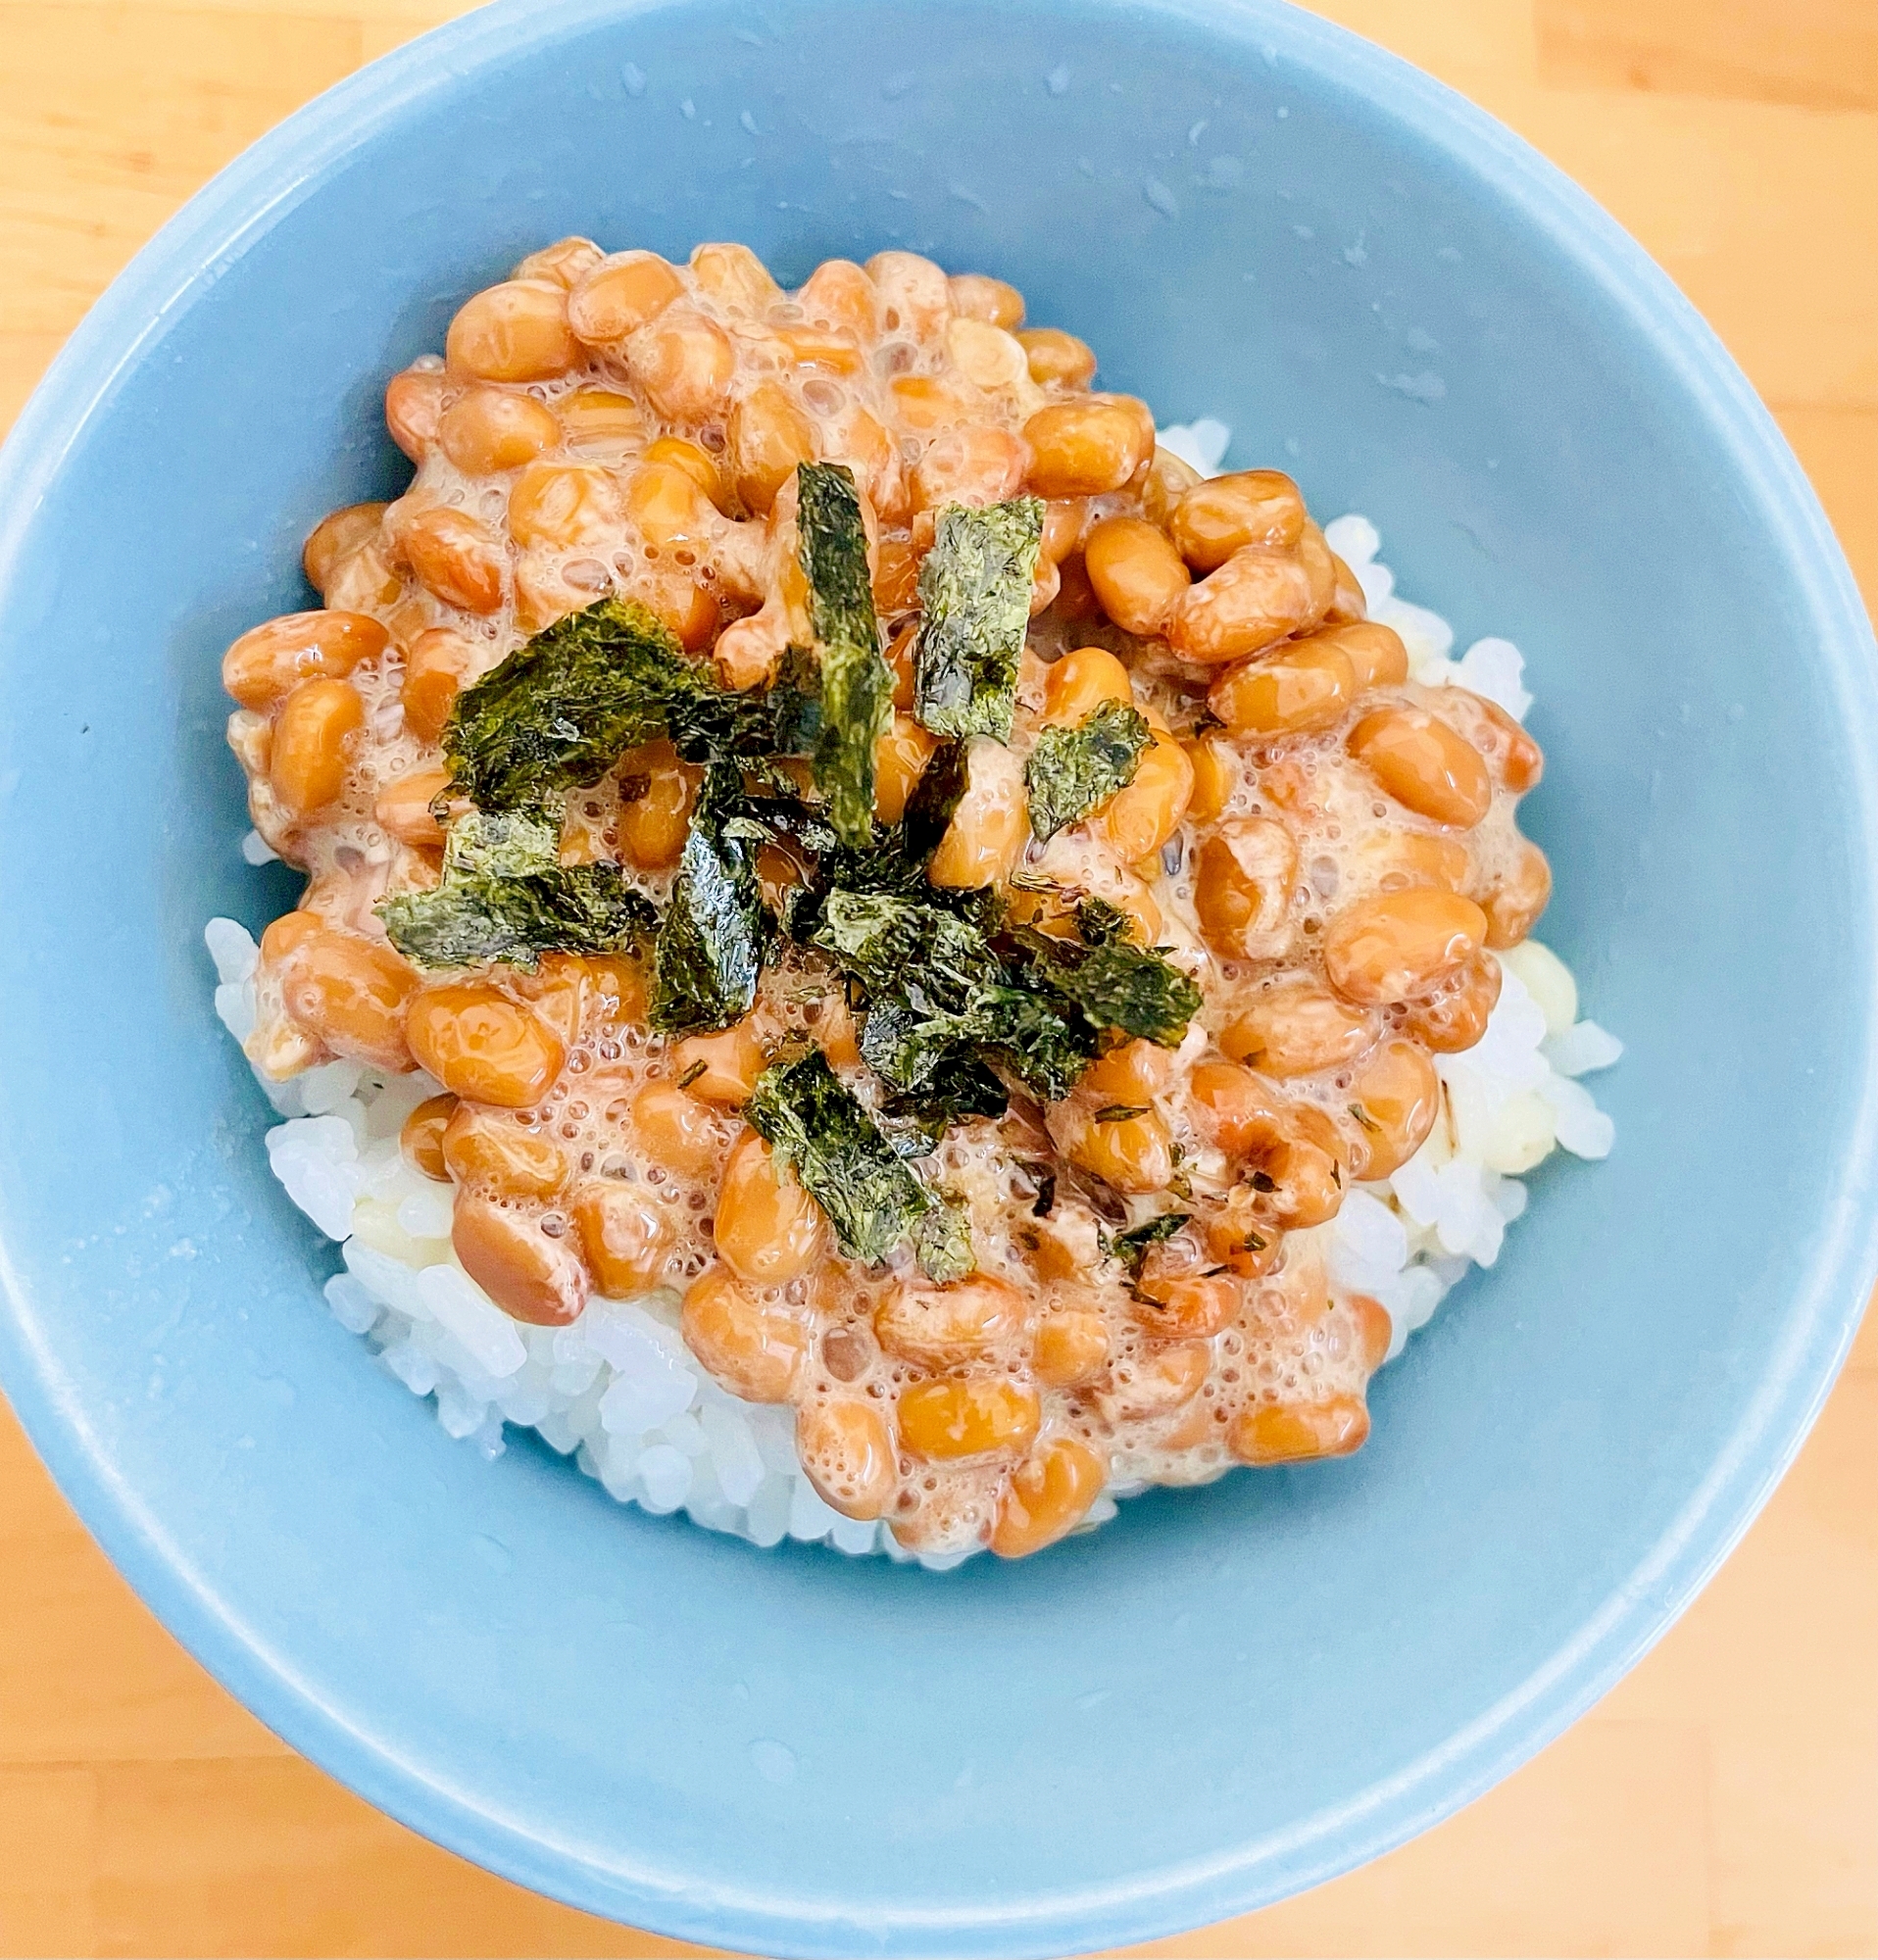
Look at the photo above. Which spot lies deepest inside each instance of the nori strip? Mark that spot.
(1073, 770)
(1114, 986)
(505, 895)
(856, 684)
(974, 591)
(559, 711)
(841, 1158)
(711, 946)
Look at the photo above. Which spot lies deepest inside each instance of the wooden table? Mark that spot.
(1724, 1799)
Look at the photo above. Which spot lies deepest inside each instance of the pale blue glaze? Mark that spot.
(1231, 1693)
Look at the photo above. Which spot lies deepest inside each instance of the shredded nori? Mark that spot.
(505, 895)
(942, 1006)
(1074, 770)
(1099, 923)
(856, 684)
(930, 1063)
(710, 949)
(954, 1000)
(952, 994)
(795, 707)
(1130, 988)
(557, 713)
(942, 1243)
(974, 593)
(1131, 1247)
(888, 942)
(561, 711)
(895, 861)
(846, 1162)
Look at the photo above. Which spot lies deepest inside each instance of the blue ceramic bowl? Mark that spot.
(1231, 1693)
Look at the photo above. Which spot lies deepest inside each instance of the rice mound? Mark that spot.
(618, 1390)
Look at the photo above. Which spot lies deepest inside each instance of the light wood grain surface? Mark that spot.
(1724, 1799)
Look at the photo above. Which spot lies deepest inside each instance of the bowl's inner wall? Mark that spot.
(1238, 236)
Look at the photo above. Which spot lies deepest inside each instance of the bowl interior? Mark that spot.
(1231, 1693)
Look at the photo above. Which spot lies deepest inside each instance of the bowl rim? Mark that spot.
(205, 237)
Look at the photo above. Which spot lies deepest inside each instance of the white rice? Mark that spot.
(619, 1392)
